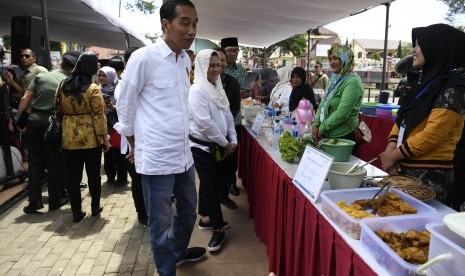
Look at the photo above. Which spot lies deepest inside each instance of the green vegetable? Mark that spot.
(288, 147)
(306, 140)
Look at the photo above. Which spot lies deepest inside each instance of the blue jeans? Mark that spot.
(169, 243)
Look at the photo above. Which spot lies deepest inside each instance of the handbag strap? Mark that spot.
(313, 82)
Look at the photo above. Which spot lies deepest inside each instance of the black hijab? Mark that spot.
(268, 82)
(443, 49)
(81, 78)
(302, 91)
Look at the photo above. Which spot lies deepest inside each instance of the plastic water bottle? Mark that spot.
(294, 129)
(276, 134)
(307, 129)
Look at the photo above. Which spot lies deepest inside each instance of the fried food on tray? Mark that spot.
(392, 206)
(412, 246)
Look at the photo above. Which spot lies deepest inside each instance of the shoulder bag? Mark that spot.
(362, 132)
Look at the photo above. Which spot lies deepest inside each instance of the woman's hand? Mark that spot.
(389, 160)
(276, 105)
(107, 145)
(315, 131)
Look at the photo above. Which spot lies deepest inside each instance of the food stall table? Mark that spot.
(300, 238)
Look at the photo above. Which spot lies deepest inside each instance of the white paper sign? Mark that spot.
(312, 171)
(257, 123)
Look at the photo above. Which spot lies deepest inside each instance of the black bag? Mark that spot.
(52, 135)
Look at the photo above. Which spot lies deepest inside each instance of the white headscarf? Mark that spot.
(215, 92)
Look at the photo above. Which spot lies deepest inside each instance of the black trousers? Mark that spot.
(43, 156)
(231, 167)
(136, 189)
(458, 188)
(75, 161)
(114, 163)
(212, 177)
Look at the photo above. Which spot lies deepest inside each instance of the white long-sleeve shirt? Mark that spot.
(152, 106)
(208, 122)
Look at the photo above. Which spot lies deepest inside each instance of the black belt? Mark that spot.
(198, 141)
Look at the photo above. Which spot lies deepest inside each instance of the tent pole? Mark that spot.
(43, 7)
(308, 50)
(386, 31)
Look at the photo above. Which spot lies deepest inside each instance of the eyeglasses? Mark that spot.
(232, 51)
(25, 56)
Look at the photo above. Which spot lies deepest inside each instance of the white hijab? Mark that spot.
(215, 92)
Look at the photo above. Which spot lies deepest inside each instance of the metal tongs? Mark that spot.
(386, 187)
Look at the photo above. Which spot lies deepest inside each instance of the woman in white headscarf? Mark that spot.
(114, 163)
(280, 94)
(212, 136)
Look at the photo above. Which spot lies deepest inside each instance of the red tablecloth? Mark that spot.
(299, 240)
(380, 129)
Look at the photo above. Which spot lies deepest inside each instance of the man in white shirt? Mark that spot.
(154, 116)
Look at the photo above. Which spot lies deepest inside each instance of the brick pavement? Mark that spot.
(114, 243)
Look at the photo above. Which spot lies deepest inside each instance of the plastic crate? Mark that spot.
(444, 241)
(351, 225)
(341, 153)
(249, 112)
(385, 256)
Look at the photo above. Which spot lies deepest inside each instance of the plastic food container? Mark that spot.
(385, 256)
(446, 251)
(351, 225)
(369, 108)
(249, 112)
(385, 110)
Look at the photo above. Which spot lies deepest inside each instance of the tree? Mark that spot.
(456, 7)
(296, 45)
(399, 50)
(147, 7)
(406, 49)
(6, 41)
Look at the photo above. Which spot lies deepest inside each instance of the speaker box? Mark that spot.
(27, 32)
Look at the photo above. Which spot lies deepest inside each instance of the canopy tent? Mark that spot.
(80, 21)
(261, 23)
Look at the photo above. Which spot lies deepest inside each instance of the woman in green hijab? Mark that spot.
(337, 116)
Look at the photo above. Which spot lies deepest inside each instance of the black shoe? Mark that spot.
(96, 212)
(173, 198)
(216, 241)
(208, 226)
(82, 185)
(78, 216)
(142, 220)
(120, 183)
(234, 190)
(111, 181)
(229, 203)
(194, 254)
(32, 208)
(63, 201)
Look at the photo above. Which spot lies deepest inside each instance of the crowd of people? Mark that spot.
(164, 111)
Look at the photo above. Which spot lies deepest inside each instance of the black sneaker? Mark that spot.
(194, 254)
(82, 185)
(208, 226)
(216, 241)
(229, 203)
(32, 208)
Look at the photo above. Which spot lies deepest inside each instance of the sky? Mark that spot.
(404, 15)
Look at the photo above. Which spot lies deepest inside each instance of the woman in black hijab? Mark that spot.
(79, 103)
(430, 122)
(268, 81)
(301, 89)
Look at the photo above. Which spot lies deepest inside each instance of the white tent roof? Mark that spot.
(74, 21)
(261, 23)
